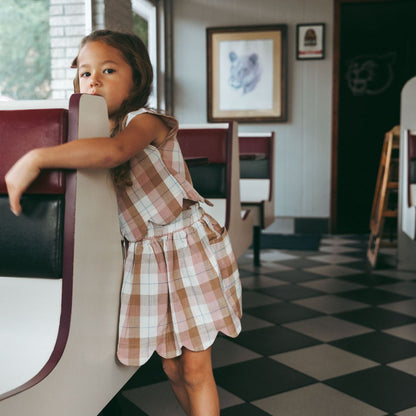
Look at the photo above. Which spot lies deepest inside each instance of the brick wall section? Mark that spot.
(68, 26)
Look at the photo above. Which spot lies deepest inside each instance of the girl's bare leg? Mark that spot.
(193, 382)
(172, 370)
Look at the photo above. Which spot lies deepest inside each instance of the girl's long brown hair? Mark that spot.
(135, 54)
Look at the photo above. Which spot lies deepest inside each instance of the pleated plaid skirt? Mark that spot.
(181, 287)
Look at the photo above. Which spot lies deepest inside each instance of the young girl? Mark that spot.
(180, 284)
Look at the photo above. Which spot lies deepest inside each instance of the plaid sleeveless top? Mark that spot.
(160, 183)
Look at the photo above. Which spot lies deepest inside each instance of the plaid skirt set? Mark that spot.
(181, 284)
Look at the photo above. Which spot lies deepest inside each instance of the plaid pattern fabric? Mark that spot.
(160, 182)
(181, 286)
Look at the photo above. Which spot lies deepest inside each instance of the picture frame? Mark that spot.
(310, 41)
(247, 73)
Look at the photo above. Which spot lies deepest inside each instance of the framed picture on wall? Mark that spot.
(310, 41)
(246, 73)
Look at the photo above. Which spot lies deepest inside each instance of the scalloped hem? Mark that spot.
(178, 352)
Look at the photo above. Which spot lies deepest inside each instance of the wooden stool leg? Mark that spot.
(256, 245)
(386, 186)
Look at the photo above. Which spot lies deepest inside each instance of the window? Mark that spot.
(25, 60)
(144, 25)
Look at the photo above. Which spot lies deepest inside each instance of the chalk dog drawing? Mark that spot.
(370, 75)
(245, 72)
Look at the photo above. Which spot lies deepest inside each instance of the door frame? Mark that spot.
(335, 106)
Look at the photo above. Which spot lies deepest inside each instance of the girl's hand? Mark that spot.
(18, 179)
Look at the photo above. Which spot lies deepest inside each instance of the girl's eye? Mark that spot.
(85, 74)
(108, 71)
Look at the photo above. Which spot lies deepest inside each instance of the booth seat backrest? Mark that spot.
(256, 182)
(210, 178)
(211, 152)
(31, 245)
(257, 159)
(411, 160)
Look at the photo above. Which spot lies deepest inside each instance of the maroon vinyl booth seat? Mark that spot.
(32, 244)
(257, 182)
(211, 152)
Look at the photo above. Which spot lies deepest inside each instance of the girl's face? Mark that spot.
(103, 71)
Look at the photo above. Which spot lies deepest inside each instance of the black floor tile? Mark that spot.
(383, 387)
(376, 318)
(256, 379)
(300, 263)
(120, 406)
(302, 253)
(273, 340)
(282, 312)
(369, 279)
(149, 373)
(291, 292)
(359, 255)
(359, 264)
(290, 241)
(373, 296)
(245, 409)
(295, 276)
(377, 346)
(130, 409)
(385, 261)
(248, 273)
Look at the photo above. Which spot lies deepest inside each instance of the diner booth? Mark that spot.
(60, 272)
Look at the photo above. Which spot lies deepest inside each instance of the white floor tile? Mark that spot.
(336, 249)
(159, 400)
(324, 361)
(338, 240)
(249, 322)
(402, 288)
(399, 274)
(407, 412)
(268, 255)
(407, 332)
(407, 366)
(330, 304)
(316, 400)
(327, 328)
(155, 399)
(335, 259)
(225, 352)
(408, 307)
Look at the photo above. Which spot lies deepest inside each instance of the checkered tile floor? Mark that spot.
(322, 335)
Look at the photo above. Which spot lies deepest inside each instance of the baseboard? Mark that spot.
(311, 225)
